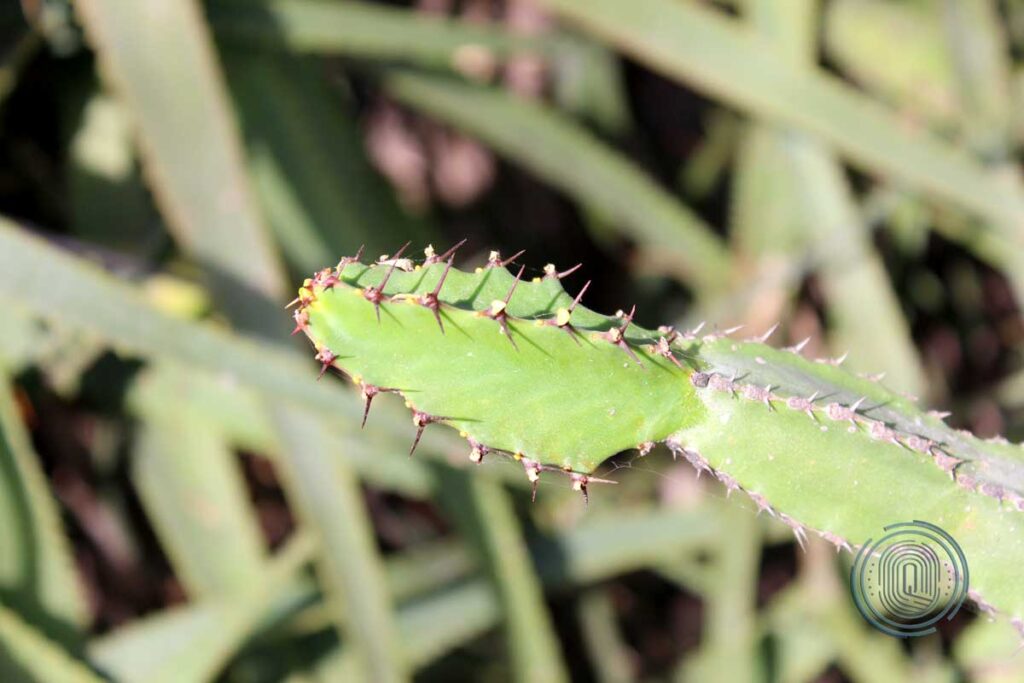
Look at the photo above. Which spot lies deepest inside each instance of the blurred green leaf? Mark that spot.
(38, 576)
(610, 656)
(158, 58)
(722, 58)
(863, 309)
(194, 494)
(484, 513)
(565, 155)
(307, 161)
(897, 51)
(108, 202)
(236, 413)
(328, 496)
(194, 642)
(26, 655)
(365, 29)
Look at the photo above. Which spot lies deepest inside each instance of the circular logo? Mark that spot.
(910, 579)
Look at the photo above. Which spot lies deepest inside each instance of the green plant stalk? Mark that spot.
(483, 510)
(194, 494)
(566, 155)
(27, 655)
(160, 60)
(38, 577)
(520, 371)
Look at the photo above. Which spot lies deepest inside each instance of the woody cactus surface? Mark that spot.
(523, 370)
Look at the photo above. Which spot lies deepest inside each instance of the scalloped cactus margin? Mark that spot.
(523, 370)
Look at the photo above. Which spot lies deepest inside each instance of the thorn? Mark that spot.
(369, 391)
(664, 348)
(533, 470)
(939, 414)
(799, 346)
(691, 335)
(732, 330)
(477, 452)
(756, 393)
(617, 336)
(877, 377)
(432, 258)
(495, 261)
(804, 404)
(421, 420)
(835, 361)
(375, 295)
(431, 300)
(856, 405)
(551, 272)
(764, 337)
(563, 316)
(499, 309)
(301, 321)
(579, 483)
(326, 357)
(798, 530)
(345, 260)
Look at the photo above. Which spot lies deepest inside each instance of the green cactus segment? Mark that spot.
(558, 398)
(559, 387)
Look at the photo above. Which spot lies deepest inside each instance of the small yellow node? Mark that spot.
(562, 317)
(497, 307)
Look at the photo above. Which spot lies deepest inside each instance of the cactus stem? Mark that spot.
(326, 358)
(375, 294)
(433, 258)
(430, 299)
(421, 420)
(551, 272)
(617, 336)
(495, 260)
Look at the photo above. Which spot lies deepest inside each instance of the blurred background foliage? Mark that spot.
(180, 500)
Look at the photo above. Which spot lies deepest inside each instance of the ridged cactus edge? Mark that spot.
(523, 370)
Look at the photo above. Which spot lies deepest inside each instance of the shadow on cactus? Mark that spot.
(524, 371)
